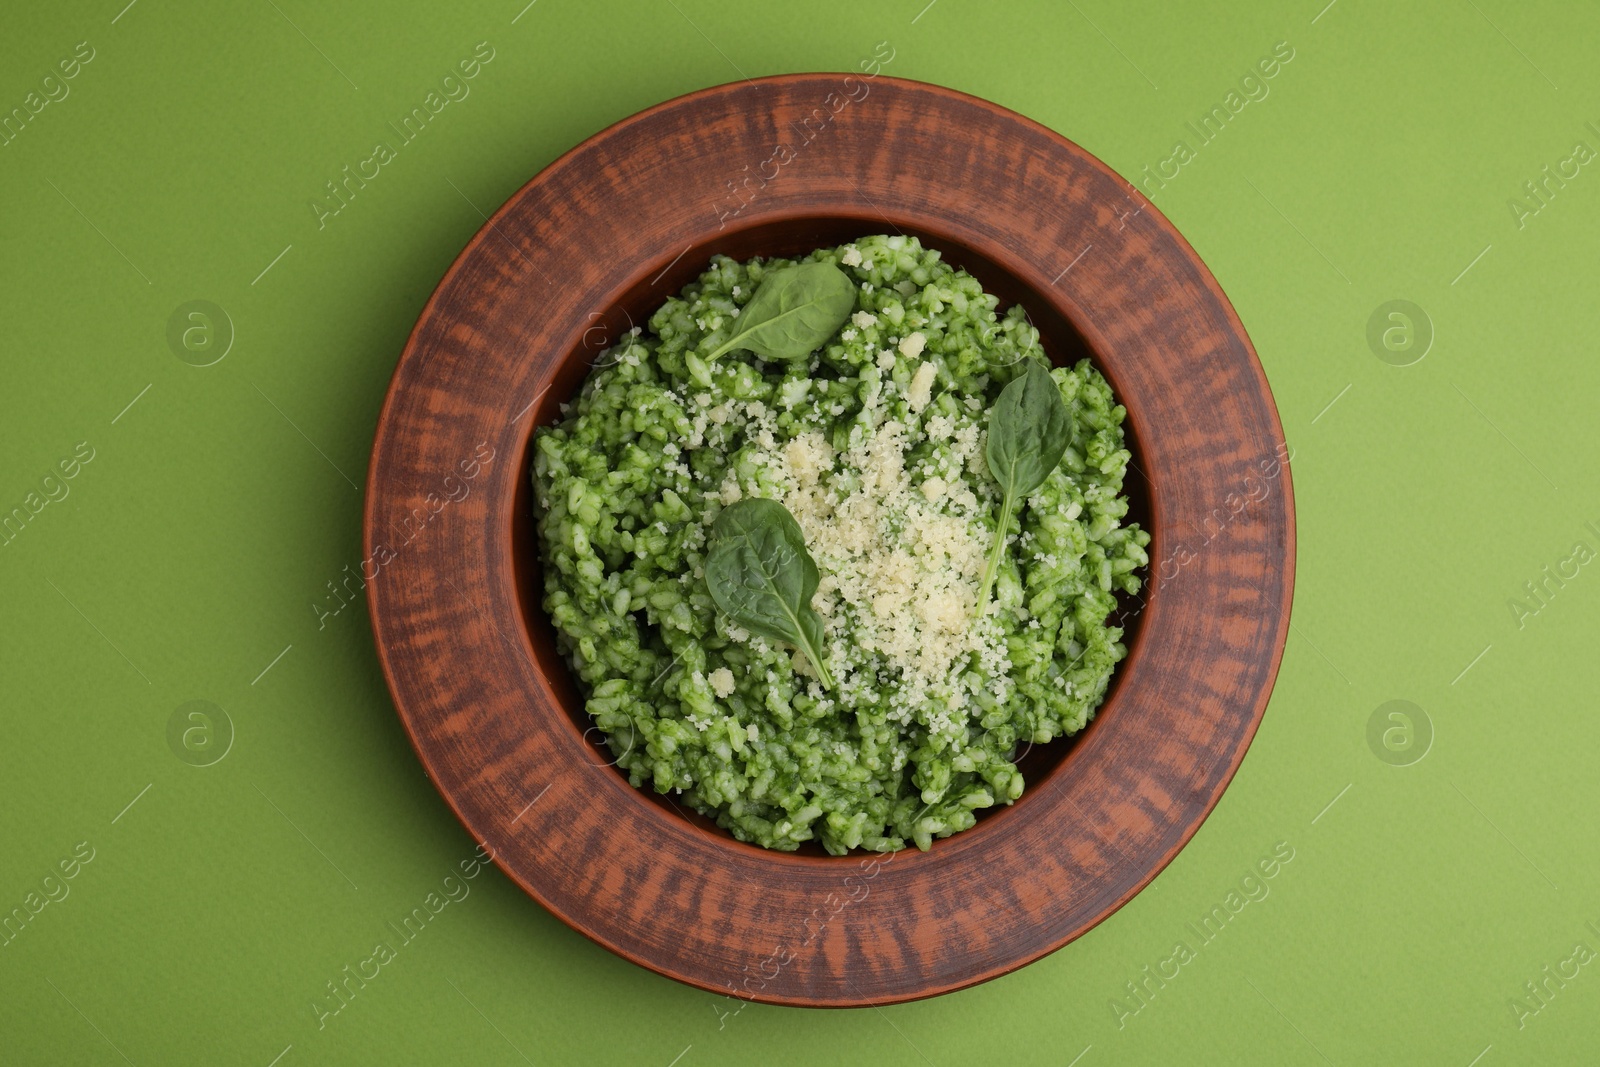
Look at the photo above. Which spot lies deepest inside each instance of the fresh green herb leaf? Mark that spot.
(762, 577)
(1029, 429)
(795, 309)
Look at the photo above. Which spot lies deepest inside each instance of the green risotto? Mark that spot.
(896, 711)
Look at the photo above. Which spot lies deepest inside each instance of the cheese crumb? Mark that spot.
(921, 390)
(808, 457)
(886, 359)
(934, 488)
(851, 256)
(864, 319)
(911, 347)
(722, 684)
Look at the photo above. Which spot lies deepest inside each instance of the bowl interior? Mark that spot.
(793, 236)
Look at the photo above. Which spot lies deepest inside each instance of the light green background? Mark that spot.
(192, 548)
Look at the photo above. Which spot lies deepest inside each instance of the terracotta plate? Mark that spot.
(593, 244)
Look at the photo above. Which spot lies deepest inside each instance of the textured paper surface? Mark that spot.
(237, 867)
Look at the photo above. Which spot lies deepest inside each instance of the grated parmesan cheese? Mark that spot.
(900, 563)
(808, 456)
(921, 390)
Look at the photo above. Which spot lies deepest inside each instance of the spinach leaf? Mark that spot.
(762, 577)
(1029, 429)
(794, 311)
